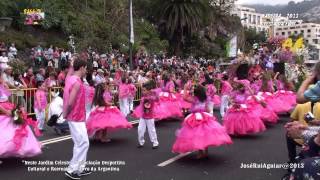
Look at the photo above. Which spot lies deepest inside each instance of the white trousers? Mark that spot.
(80, 140)
(124, 106)
(147, 123)
(130, 100)
(41, 116)
(224, 105)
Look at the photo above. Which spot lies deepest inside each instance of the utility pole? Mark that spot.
(131, 34)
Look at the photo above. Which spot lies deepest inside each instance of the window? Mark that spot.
(285, 28)
(307, 41)
(254, 19)
(309, 35)
(295, 32)
(279, 29)
(315, 41)
(292, 27)
(258, 20)
(302, 31)
(305, 26)
(249, 18)
(277, 34)
(283, 33)
(309, 30)
(289, 32)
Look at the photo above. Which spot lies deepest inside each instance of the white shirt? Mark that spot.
(56, 107)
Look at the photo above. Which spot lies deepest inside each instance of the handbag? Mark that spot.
(53, 120)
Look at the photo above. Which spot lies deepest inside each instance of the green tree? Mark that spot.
(179, 20)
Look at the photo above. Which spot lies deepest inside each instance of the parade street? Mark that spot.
(121, 159)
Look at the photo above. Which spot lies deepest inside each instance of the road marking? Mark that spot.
(165, 163)
(53, 139)
(63, 138)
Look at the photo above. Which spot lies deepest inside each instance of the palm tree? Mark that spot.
(179, 19)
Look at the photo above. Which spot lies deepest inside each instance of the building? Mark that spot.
(250, 18)
(310, 33)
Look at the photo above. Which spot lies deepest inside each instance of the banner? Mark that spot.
(233, 47)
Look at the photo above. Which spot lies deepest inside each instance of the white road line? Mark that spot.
(165, 163)
(63, 138)
(53, 139)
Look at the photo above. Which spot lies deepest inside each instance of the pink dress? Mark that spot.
(132, 90)
(285, 96)
(106, 118)
(213, 97)
(199, 131)
(168, 105)
(275, 104)
(239, 119)
(17, 140)
(265, 113)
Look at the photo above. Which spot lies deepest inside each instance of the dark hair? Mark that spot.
(151, 84)
(165, 78)
(39, 83)
(225, 77)
(123, 79)
(98, 99)
(79, 63)
(200, 93)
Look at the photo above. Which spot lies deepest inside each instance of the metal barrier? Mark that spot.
(25, 97)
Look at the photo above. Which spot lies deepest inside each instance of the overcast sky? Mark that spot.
(271, 2)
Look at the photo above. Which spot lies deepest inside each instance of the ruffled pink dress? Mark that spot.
(239, 119)
(265, 113)
(17, 140)
(168, 105)
(106, 118)
(199, 131)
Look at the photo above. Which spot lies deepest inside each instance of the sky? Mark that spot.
(269, 2)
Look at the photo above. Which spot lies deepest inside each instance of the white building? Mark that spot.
(250, 18)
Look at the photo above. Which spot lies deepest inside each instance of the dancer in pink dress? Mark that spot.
(169, 105)
(132, 93)
(16, 139)
(267, 90)
(40, 104)
(200, 129)
(239, 119)
(104, 116)
(285, 90)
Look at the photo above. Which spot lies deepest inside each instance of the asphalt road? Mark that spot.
(142, 164)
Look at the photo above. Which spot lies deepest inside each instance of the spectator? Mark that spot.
(8, 78)
(40, 76)
(3, 61)
(3, 48)
(51, 80)
(12, 51)
(56, 57)
(99, 77)
(62, 75)
(29, 78)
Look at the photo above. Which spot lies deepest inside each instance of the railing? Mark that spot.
(25, 97)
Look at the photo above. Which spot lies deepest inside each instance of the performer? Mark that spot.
(147, 113)
(104, 117)
(17, 138)
(226, 89)
(132, 93)
(239, 119)
(169, 104)
(124, 94)
(200, 129)
(75, 113)
(40, 104)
